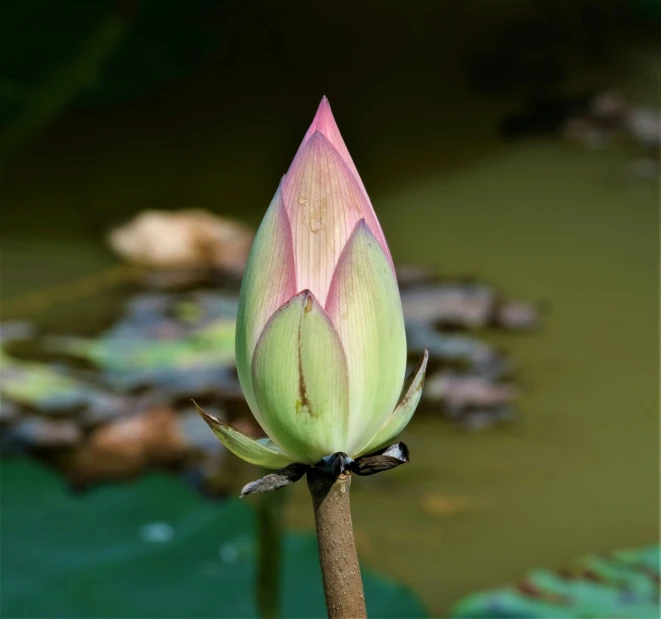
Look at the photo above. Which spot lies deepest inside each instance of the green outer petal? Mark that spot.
(269, 281)
(364, 305)
(402, 414)
(254, 451)
(300, 380)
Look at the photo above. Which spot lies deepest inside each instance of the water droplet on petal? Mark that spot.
(318, 218)
(303, 201)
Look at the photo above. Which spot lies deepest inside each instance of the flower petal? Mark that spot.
(324, 122)
(364, 305)
(402, 414)
(268, 282)
(246, 448)
(324, 201)
(300, 381)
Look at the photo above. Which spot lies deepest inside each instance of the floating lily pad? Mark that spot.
(622, 584)
(169, 316)
(40, 386)
(146, 316)
(31, 432)
(150, 549)
(12, 331)
(465, 305)
(8, 411)
(463, 350)
(54, 391)
(194, 363)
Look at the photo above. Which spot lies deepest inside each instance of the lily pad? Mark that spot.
(194, 363)
(621, 584)
(54, 391)
(150, 549)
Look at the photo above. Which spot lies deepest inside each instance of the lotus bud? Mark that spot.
(320, 341)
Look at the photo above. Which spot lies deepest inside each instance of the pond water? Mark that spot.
(577, 471)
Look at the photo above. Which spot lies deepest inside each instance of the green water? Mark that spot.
(578, 470)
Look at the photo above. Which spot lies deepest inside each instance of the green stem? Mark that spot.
(269, 558)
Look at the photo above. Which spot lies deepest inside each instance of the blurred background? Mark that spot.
(511, 151)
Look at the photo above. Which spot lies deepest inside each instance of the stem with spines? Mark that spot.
(340, 571)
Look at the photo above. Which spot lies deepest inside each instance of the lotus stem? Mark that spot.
(340, 571)
(269, 558)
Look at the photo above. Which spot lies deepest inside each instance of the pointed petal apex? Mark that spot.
(402, 414)
(244, 447)
(324, 201)
(324, 122)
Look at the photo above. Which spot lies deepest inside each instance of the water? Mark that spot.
(317, 219)
(318, 216)
(315, 214)
(578, 470)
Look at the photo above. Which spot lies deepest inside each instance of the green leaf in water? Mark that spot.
(151, 549)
